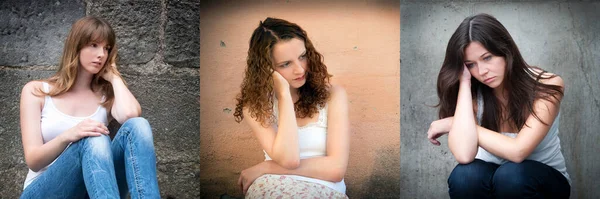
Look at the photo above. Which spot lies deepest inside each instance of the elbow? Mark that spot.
(290, 164)
(337, 174)
(128, 115)
(518, 156)
(32, 165)
(34, 168)
(464, 159)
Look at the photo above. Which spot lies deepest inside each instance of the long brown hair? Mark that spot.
(83, 32)
(522, 88)
(257, 86)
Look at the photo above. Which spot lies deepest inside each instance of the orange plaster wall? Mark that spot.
(360, 41)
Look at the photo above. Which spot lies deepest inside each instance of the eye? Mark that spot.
(469, 65)
(94, 45)
(488, 58)
(303, 57)
(286, 64)
(107, 48)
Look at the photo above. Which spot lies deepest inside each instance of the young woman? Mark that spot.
(63, 125)
(299, 118)
(501, 116)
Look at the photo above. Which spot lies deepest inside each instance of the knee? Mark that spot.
(98, 146)
(465, 177)
(140, 127)
(511, 177)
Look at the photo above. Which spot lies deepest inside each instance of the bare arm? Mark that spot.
(37, 153)
(528, 138)
(125, 105)
(331, 167)
(281, 144)
(462, 137)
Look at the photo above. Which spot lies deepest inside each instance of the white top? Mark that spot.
(312, 142)
(54, 122)
(547, 152)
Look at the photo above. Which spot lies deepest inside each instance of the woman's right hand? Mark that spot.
(439, 128)
(85, 128)
(466, 75)
(280, 84)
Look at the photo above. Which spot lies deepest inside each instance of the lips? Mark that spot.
(488, 80)
(300, 78)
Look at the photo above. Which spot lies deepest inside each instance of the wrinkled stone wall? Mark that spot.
(158, 43)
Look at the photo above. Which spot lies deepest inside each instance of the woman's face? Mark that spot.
(93, 56)
(289, 59)
(486, 68)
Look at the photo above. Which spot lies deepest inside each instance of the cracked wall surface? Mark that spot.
(158, 45)
(559, 36)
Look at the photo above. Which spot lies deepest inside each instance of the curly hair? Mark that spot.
(522, 89)
(257, 87)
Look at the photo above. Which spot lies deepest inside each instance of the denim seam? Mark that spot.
(134, 164)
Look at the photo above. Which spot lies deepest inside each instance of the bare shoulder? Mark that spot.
(549, 78)
(32, 86)
(337, 91)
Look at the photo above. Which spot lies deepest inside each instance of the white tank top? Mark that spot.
(312, 142)
(547, 152)
(54, 122)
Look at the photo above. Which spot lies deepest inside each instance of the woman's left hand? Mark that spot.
(439, 128)
(248, 175)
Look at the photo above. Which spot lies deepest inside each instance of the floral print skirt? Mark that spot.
(280, 186)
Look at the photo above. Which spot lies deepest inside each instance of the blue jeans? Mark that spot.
(528, 179)
(99, 168)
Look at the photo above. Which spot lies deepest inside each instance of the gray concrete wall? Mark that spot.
(559, 36)
(159, 58)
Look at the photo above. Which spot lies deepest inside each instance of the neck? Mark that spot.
(82, 81)
(294, 93)
(501, 94)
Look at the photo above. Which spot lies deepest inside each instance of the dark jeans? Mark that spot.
(528, 179)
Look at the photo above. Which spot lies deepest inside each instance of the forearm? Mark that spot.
(462, 137)
(500, 145)
(41, 156)
(324, 168)
(285, 149)
(125, 105)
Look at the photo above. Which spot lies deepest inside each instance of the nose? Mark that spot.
(298, 68)
(483, 68)
(101, 53)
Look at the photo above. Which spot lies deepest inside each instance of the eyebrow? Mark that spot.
(303, 53)
(486, 52)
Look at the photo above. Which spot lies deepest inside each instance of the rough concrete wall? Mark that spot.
(561, 37)
(159, 58)
(360, 43)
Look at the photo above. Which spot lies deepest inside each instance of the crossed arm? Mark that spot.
(464, 135)
(331, 167)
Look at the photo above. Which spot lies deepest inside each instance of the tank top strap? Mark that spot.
(46, 87)
(479, 106)
(322, 120)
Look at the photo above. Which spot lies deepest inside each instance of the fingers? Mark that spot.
(239, 183)
(95, 126)
(90, 134)
(245, 187)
